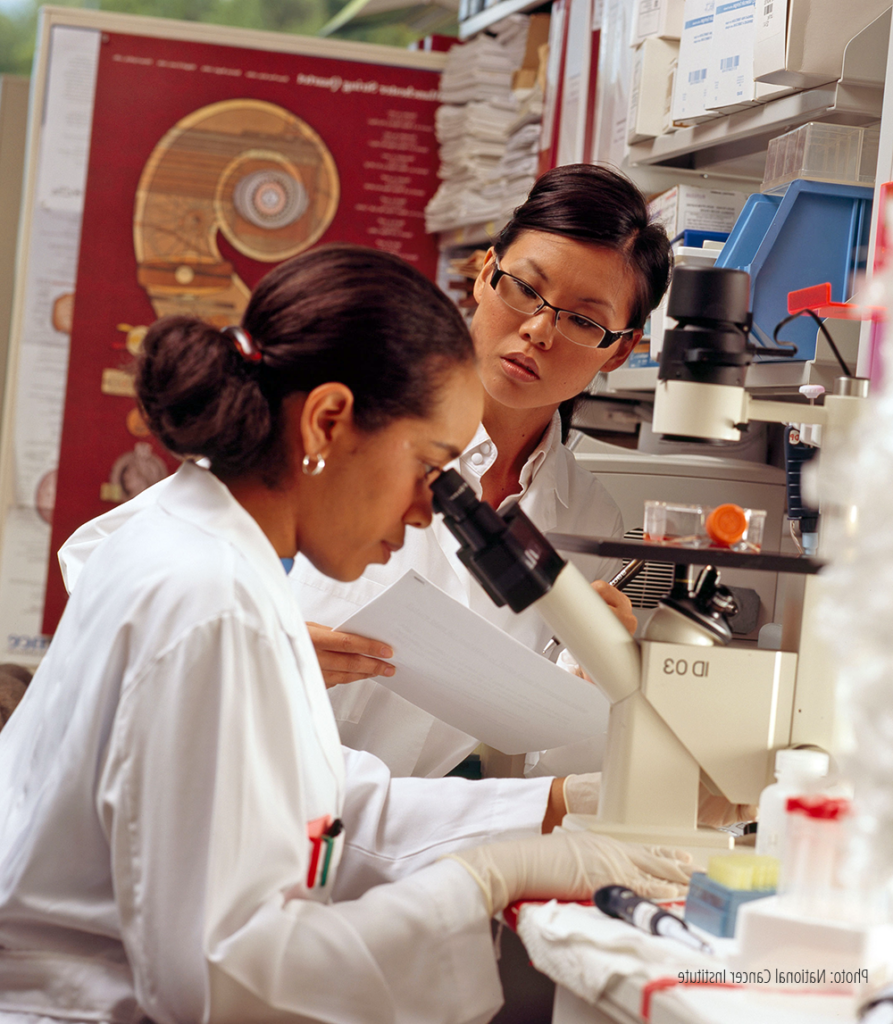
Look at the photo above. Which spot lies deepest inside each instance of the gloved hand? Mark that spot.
(572, 865)
(581, 793)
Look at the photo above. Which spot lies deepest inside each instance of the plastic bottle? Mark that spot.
(797, 771)
(726, 525)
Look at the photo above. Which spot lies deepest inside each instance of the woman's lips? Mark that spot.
(520, 369)
(388, 549)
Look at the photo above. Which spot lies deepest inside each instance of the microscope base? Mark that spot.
(701, 843)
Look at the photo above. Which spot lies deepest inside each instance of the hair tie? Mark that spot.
(244, 343)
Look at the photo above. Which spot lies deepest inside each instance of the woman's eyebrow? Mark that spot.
(450, 449)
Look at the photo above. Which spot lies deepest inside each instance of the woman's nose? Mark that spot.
(420, 512)
(539, 328)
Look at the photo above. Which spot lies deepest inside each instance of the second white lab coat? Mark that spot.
(559, 496)
(159, 778)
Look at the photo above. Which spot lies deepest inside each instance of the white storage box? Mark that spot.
(730, 81)
(801, 43)
(657, 18)
(690, 92)
(696, 209)
(648, 93)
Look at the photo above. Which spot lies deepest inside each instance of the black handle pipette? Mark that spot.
(620, 902)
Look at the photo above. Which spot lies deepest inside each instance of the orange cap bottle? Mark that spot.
(726, 525)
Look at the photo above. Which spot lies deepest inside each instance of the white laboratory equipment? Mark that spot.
(684, 713)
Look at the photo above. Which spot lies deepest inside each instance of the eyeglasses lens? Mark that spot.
(523, 299)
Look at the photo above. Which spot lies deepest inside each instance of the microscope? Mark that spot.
(686, 708)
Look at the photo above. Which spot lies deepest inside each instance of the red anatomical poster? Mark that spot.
(209, 165)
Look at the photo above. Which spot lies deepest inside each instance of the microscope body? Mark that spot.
(691, 713)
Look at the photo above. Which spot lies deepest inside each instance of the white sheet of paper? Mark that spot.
(454, 664)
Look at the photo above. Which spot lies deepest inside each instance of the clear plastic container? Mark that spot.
(812, 877)
(668, 522)
(822, 152)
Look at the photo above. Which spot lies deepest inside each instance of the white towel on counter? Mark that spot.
(583, 949)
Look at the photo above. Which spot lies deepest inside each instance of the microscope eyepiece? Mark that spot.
(505, 553)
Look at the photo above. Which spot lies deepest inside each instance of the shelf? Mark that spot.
(490, 15)
(857, 99)
(719, 557)
(775, 378)
(786, 378)
(749, 131)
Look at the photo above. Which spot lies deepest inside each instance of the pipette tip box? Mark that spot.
(714, 907)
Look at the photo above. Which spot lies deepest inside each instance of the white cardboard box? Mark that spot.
(801, 42)
(810, 954)
(667, 125)
(730, 81)
(648, 92)
(696, 208)
(690, 93)
(661, 18)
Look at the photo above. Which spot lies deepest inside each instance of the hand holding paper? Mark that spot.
(457, 666)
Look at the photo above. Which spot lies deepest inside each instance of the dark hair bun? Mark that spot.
(339, 312)
(200, 396)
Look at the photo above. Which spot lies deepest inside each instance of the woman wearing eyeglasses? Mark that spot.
(564, 293)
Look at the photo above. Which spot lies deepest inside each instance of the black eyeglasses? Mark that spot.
(519, 296)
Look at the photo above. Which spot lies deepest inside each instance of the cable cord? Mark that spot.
(822, 328)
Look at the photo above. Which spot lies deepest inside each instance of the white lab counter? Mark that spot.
(622, 1004)
(603, 970)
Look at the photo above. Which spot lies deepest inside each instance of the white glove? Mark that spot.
(571, 866)
(581, 793)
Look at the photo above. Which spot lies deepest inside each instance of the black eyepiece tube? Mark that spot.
(506, 554)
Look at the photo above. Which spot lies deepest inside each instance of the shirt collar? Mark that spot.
(481, 453)
(198, 497)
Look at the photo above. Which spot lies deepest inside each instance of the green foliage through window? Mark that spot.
(304, 17)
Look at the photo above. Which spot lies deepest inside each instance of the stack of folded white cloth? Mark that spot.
(487, 133)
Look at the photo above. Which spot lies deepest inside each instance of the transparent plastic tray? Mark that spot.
(838, 153)
(704, 526)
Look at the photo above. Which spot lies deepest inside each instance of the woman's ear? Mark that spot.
(326, 416)
(483, 277)
(627, 343)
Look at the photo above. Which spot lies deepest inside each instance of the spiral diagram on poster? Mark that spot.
(249, 169)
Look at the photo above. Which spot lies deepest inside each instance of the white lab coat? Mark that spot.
(559, 496)
(158, 780)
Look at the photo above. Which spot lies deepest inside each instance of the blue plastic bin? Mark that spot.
(815, 232)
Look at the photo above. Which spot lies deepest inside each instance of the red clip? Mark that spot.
(818, 298)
